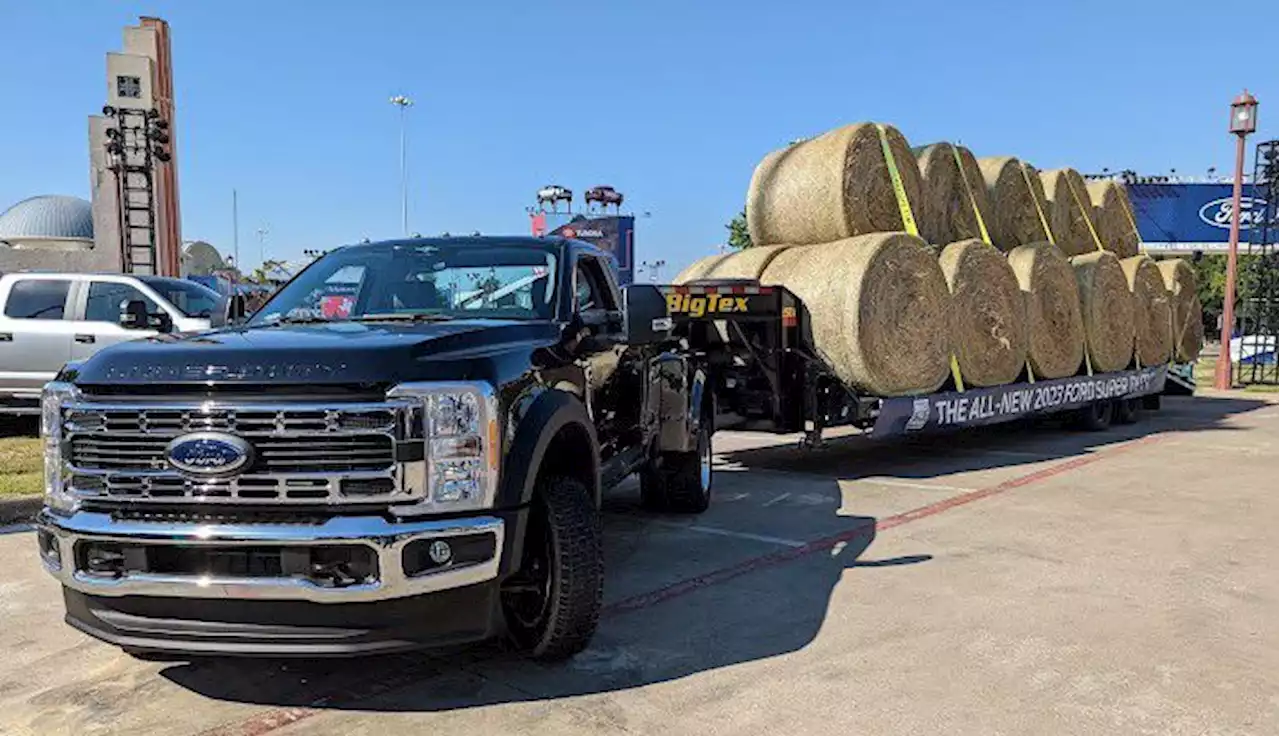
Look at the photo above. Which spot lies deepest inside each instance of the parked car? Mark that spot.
(48, 319)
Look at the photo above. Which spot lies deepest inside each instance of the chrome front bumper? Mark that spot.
(59, 537)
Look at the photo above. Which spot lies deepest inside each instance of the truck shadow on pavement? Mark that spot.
(744, 583)
(677, 604)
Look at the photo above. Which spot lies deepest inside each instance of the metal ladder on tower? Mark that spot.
(135, 187)
(1259, 295)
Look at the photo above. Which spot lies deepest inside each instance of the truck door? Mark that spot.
(597, 304)
(35, 336)
(97, 316)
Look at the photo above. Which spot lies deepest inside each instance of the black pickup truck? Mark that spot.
(405, 447)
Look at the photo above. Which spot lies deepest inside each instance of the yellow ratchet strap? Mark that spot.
(1087, 219)
(1031, 192)
(973, 201)
(909, 221)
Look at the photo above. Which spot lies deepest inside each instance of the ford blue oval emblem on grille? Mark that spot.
(209, 453)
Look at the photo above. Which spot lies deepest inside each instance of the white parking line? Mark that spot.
(917, 486)
(771, 502)
(728, 533)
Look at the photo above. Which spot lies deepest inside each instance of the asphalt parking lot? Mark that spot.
(1016, 580)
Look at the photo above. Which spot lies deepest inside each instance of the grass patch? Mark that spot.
(21, 466)
(1204, 378)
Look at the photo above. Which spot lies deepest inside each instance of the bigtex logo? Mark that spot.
(698, 306)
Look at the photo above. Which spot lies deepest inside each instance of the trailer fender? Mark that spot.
(681, 392)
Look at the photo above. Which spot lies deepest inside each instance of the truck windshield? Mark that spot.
(433, 281)
(190, 298)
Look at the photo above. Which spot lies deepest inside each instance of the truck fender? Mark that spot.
(553, 417)
(681, 392)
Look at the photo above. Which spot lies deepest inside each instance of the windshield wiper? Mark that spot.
(404, 317)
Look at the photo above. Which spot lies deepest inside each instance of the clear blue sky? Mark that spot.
(673, 103)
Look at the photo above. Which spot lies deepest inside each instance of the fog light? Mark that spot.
(440, 552)
(49, 549)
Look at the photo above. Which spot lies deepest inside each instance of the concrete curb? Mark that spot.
(20, 508)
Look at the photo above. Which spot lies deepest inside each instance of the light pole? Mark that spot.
(1244, 120)
(404, 103)
(263, 232)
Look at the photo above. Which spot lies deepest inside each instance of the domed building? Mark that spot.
(48, 221)
(51, 232)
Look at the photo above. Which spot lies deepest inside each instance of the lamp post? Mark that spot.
(404, 103)
(1244, 120)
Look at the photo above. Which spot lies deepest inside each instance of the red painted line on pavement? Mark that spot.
(276, 718)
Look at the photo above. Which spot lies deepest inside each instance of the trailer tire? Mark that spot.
(1151, 402)
(552, 602)
(680, 482)
(1126, 411)
(1095, 417)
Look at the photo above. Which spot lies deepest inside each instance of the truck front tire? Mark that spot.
(680, 482)
(552, 603)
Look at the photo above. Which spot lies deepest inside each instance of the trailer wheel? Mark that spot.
(1126, 411)
(1095, 417)
(552, 603)
(1151, 402)
(680, 482)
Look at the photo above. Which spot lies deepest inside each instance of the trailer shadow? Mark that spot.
(1033, 440)
(747, 602)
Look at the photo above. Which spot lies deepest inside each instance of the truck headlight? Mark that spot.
(56, 395)
(460, 428)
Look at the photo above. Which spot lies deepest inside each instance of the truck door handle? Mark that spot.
(84, 338)
(6, 337)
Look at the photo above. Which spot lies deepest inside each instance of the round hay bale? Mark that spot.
(1055, 346)
(1153, 315)
(1113, 217)
(699, 268)
(1106, 306)
(830, 187)
(877, 307)
(1070, 211)
(1188, 322)
(988, 317)
(1015, 218)
(745, 264)
(949, 195)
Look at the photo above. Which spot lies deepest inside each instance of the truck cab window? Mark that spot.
(107, 298)
(589, 292)
(37, 299)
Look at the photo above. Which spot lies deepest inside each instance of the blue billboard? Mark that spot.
(1195, 216)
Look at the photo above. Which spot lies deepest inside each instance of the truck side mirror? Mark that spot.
(645, 312)
(134, 316)
(231, 311)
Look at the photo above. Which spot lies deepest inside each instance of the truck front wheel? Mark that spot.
(680, 482)
(552, 603)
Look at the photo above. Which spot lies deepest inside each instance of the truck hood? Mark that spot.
(339, 352)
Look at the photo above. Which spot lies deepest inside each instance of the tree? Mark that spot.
(739, 235)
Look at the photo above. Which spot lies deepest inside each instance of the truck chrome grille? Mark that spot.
(304, 454)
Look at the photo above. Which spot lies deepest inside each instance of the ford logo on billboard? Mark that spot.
(209, 453)
(1218, 212)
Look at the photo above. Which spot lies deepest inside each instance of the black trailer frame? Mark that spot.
(766, 375)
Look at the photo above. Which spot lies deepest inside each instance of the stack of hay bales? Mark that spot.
(1014, 273)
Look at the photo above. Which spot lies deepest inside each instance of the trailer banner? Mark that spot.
(980, 406)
